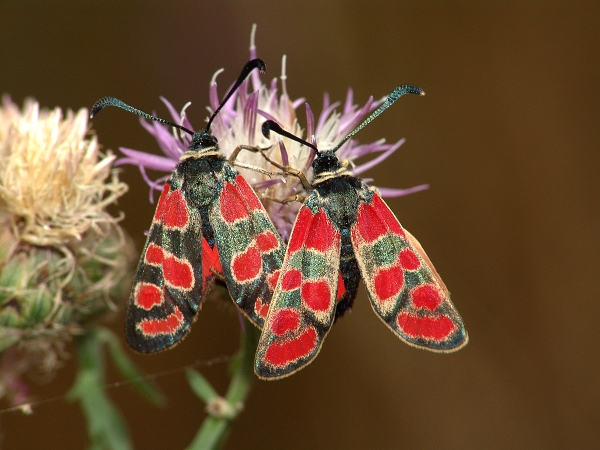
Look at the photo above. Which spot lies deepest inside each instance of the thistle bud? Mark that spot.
(64, 260)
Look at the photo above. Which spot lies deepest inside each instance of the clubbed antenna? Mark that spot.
(112, 101)
(249, 67)
(398, 92)
(271, 125)
(389, 101)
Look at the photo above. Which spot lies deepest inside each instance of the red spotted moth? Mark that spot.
(345, 231)
(209, 224)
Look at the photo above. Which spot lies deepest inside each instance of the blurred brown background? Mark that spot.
(507, 137)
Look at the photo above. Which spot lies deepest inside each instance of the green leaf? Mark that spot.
(106, 426)
(215, 430)
(200, 385)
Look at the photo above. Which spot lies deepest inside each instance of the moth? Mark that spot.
(343, 232)
(209, 224)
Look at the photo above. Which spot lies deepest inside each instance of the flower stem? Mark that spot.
(106, 426)
(223, 411)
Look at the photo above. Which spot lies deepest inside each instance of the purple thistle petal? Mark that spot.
(154, 185)
(168, 144)
(377, 103)
(298, 102)
(213, 99)
(327, 109)
(273, 90)
(392, 192)
(147, 160)
(283, 79)
(241, 96)
(250, 115)
(356, 151)
(177, 117)
(366, 166)
(268, 116)
(310, 159)
(349, 104)
(284, 154)
(266, 184)
(347, 126)
(310, 123)
(224, 118)
(254, 76)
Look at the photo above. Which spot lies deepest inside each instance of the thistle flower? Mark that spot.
(63, 258)
(239, 123)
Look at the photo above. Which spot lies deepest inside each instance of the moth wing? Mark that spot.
(405, 290)
(168, 287)
(249, 246)
(303, 306)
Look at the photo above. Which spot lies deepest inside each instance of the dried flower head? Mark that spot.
(239, 123)
(64, 260)
(51, 174)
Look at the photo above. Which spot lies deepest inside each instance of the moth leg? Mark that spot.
(290, 199)
(289, 170)
(249, 148)
(256, 169)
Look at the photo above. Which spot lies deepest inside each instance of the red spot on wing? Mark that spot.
(154, 254)
(261, 308)
(231, 204)
(267, 241)
(176, 214)
(148, 296)
(301, 226)
(162, 202)
(426, 296)
(321, 233)
(341, 288)
(178, 273)
(247, 193)
(273, 278)
(281, 354)
(386, 214)
(316, 295)
(168, 325)
(388, 282)
(435, 328)
(369, 225)
(246, 265)
(291, 280)
(408, 260)
(285, 320)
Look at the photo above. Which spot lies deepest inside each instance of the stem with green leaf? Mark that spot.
(224, 410)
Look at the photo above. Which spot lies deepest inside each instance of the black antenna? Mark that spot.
(249, 67)
(398, 92)
(271, 125)
(111, 101)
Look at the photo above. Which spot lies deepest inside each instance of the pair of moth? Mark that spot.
(210, 224)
